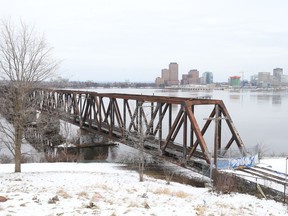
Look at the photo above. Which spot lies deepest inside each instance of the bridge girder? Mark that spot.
(163, 118)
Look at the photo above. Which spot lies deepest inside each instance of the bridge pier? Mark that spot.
(93, 146)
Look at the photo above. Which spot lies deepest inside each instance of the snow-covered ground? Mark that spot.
(278, 164)
(275, 163)
(106, 189)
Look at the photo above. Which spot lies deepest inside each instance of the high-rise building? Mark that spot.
(277, 73)
(165, 75)
(159, 81)
(193, 77)
(173, 69)
(169, 76)
(184, 80)
(207, 78)
(264, 79)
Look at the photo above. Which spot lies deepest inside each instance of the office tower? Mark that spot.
(277, 73)
(207, 78)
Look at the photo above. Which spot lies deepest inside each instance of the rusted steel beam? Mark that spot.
(159, 125)
(198, 133)
(219, 129)
(110, 115)
(228, 145)
(124, 112)
(233, 130)
(147, 98)
(132, 117)
(172, 130)
(185, 136)
(100, 113)
(95, 106)
(161, 117)
(179, 126)
(191, 130)
(118, 115)
(103, 111)
(150, 128)
(143, 115)
(106, 111)
(170, 116)
(204, 129)
(85, 111)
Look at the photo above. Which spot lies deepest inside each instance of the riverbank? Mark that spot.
(105, 189)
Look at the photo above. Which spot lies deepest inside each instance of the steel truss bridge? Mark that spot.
(168, 126)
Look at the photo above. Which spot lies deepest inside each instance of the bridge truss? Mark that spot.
(167, 124)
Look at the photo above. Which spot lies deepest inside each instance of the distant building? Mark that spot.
(159, 81)
(184, 80)
(165, 75)
(235, 81)
(207, 78)
(284, 79)
(191, 78)
(168, 76)
(277, 73)
(264, 79)
(173, 71)
(254, 80)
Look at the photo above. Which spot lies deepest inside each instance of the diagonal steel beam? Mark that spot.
(200, 138)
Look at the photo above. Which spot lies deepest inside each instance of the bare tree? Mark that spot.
(25, 61)
(137, 138)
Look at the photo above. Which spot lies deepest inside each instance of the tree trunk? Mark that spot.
(18, 142)
(18, 127)
(141, 171)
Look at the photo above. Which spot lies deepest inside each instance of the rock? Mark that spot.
(3, 199)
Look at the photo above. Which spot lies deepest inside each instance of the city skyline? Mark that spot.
(132, 40)
(168, 77)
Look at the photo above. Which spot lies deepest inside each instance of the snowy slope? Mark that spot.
(106, 189)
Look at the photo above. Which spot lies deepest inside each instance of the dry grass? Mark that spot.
(109, 201)
(131, 190)
(82, 194)
(96, 197)
(168, 191)
(63, 193)
(43, 189)
(134, 205)
(200, 210)
(104, 187)
(164, 191)
(181, 194)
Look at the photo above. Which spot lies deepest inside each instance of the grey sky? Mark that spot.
(118, 40)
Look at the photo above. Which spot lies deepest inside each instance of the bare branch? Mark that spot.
(25, 61)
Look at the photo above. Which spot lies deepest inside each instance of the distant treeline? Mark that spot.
(90, 84)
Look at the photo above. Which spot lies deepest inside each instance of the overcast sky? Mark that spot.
(118, 40)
